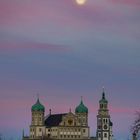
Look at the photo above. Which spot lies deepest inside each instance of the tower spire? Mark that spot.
(103, 94)
(103, 88)
(70, 110)
(104, 124)
(37, 95)
(81, 99)
(50, 111)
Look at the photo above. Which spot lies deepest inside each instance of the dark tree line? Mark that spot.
(136, 125)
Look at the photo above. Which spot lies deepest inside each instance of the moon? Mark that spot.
(81, 2)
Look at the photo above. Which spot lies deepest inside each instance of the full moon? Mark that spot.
(81, 2)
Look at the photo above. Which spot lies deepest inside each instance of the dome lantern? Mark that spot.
(103, 100)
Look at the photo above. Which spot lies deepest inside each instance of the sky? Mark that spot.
(63, 51)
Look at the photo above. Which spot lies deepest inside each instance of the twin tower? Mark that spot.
(69, 126)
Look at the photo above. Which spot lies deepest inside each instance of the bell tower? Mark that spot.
(104, 124)
(37, 127)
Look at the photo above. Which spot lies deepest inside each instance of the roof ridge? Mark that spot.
(59, 114)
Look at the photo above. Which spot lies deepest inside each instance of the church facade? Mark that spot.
(69, 126)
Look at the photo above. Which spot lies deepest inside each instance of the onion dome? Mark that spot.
(81, 108)
(103, 100)
(38, 106)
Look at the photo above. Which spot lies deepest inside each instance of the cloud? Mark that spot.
(122, 110)
(131, 3)
(18, 45)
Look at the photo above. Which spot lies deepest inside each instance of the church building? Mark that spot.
(69, 126)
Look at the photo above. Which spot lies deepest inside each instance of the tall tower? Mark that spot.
(82, 112)
(104, 124)
(37, 128)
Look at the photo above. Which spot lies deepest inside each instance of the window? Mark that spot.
(99, 121)
(99, 135)
(40, 129)
(105, 126)
(101, 105)
(105, 135)
(70, 122)
(84, 130)
(105, 106)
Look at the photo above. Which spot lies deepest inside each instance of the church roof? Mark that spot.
(54, 120)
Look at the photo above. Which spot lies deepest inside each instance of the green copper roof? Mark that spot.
(38, 106)
(103, 100)
(81, 108)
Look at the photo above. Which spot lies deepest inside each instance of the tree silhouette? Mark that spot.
(136, 125)
(0, 136)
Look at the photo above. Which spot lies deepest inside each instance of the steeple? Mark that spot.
(50, 111)
(103, 94)
(81, 99)
(70, 110)
(103, 100)
(104, 124)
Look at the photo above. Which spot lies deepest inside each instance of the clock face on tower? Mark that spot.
(105, 126)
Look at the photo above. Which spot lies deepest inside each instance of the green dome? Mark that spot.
(103, 100)
(38, 106)
(81, 108)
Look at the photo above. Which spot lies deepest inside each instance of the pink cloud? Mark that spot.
(135, 3)
(17, 45)
(122, 110)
